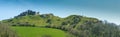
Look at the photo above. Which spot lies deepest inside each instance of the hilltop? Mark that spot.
(77, 25)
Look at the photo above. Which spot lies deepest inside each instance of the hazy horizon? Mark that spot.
(101, 9)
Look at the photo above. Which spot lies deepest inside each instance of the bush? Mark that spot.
(5, 31)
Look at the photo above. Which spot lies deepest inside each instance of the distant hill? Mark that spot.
(77, 25)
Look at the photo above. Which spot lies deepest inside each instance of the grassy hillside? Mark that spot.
(77, 25)
(38, 32)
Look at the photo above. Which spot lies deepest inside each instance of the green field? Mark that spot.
(38, 32)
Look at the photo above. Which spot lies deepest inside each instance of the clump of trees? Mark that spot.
(5, 31)
(97, 30)
(28, 12)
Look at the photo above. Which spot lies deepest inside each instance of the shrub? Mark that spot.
(5, 31)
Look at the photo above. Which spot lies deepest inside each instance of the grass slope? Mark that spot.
(38, 32)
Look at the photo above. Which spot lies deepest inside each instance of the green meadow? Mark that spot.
(38, 32)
